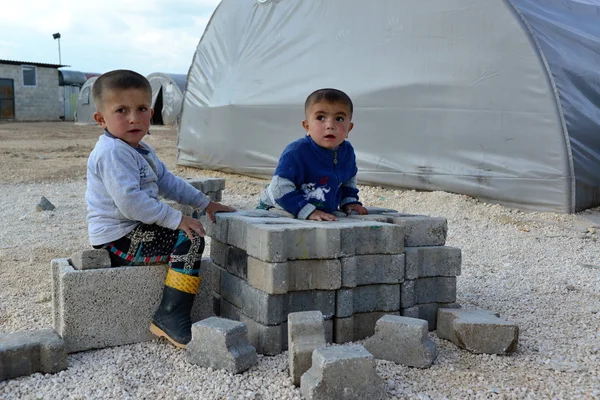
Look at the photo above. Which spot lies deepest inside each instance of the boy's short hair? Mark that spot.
(119, 79)
(329, 95)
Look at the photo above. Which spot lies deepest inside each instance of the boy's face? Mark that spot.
(328, 124)
(126, 114)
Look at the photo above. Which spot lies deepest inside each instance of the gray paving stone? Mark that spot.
(207, 184)
(412, 312)
(372, 269)
(358, 326)
(435, 290)
(233, 259)
(368, 237)
(479, 331)
(429, 312)
(306, 332)
(45, 205)
(273, 309)
(423, 231)
(432, 261)
(222, 344)
(27, 352)
(299, 275)
(90, 259)
(367, 298)
(402, 340)
(407, 294)
(342, 372)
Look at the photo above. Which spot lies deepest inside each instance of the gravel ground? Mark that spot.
(540, 270)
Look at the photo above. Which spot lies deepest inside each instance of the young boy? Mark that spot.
(316, 175)
(124, 180)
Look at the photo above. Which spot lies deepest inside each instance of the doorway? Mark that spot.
(157, 118)
(7, 98)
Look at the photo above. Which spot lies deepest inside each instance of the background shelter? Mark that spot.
(167, 97)
(496, 99)
(85, 104)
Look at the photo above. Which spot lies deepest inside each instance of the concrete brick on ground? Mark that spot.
(402, 340)
(432, 261)
(292, 276)
(369, 298)
(479, 331)
(273, 309)
(306, 332)
(357, 327)
(427, 312)
(267, 339)
(439, 289)
(27, 352)
(222, 344)
(372, 269)
(90, 259)
(342, 372)
(113, 306)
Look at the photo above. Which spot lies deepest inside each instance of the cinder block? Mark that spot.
(222, 344)
(267, 339)
(368, 237)
(90, 259)
(423, 231)
(429, 312)
(273, 309)
(479, 331)
(28, 352)
(233, 259)
(342, 372)
(206, 185)
(372, 269)
(357, 327)
(407, 294)
(412, 312)
(402, 340)
(432, 261)
(362, 299)
(435, 290)
(99, 308)
(299, 275)
(306, 332)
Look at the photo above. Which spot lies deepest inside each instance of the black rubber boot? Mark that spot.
(172, 319)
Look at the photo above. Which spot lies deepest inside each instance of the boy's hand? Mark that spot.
(357, 208)
(319, 215)
(214, 207)
(191, 226)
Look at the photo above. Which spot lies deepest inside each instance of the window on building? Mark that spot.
(29, 75)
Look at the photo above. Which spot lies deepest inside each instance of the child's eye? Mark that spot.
(143, 109)
(121, 110)
(340, 119)
(320, 117)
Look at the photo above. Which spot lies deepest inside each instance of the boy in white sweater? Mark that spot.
(125, 216)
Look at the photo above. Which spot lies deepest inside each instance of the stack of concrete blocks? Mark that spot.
(212, 187)
(267, 266)
(431, 267)
(95, 306)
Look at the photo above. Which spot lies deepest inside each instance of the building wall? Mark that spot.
(34, 103)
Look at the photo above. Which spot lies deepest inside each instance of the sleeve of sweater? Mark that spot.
(349, 188)
(119, 172)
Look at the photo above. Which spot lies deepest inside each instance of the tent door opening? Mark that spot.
(7, 99)
(157, 118)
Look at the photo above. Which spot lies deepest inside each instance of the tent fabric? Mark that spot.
(494, 99)
(84, 113)
(170, 87)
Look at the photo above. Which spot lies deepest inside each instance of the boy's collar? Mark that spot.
(323, 148)
(140, 149)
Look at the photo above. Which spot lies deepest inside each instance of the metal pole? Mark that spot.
(59, 60)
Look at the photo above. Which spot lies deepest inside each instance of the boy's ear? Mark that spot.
(151, 112)
(305, 126)
(350, 128)
(99, 118)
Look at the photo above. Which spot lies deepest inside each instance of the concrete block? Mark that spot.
(222, 344)
(357, 327)
(45, 205)
(90, 259)
(233, 259)
(206, 185)
(432, 261)
(435, 290)
(479, 331)
(27, 352)
(271, 309)
(423, 231)
(342, 372)
(368, 298)
(402, 340)
(99, 308)
(306, 332)
(372, 269)
(407, 294)
(429, 312)
(368, 237)
(412, 312)
(299, 275)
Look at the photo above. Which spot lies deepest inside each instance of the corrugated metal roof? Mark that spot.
(37, 64)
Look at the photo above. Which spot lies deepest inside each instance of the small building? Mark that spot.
(69, 85)
(29, 91)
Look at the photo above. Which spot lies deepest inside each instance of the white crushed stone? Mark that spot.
(536, 269)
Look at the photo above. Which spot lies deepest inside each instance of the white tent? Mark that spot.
(497, 99)
(167, 96)
(84, 113)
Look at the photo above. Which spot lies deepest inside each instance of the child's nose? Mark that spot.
(134, 117)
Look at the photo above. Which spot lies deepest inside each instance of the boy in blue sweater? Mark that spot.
(125, 216)
(316, 175)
